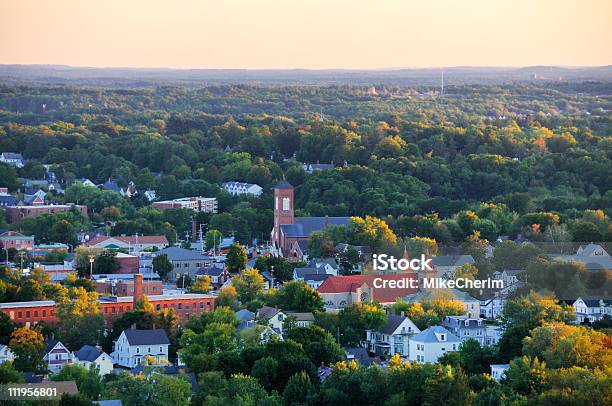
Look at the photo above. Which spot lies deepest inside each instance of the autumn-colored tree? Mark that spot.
(28, 345)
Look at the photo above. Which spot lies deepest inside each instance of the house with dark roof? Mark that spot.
(289, 229)
(8, 200)
(185, 262)
(134, 346)
(591, 310)
(57, 355)
(593, 256)
(302, 319)
(13, 159)
(272, 317)
(359, 355)
(217, 272)
(466, 327)
(431, 344)
(446, 265)
(89, 355)
(241, 188)
(392, 338)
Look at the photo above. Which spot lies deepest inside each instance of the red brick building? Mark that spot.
(13, 239)
(128, 263)
(185, 305)
(126, 287)
(16, 213)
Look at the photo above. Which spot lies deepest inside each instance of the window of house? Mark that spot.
(35, 313)
(285, 203)
(19, 315)
(180, 305)
(158, 306)
(137, 350)
(28, 313)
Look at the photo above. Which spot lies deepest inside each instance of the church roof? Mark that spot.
(304, 226)
(283, 184)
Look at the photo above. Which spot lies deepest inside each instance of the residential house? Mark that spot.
(111, 186)
(299, 250)
(431, 344)
(393, 337)
(315, 280)
(272, 317)
(510, 278)
(85, 182)
(329, 265)
(185, 262)
(217, 272)
(302, 319)
(7, 199)
(134, 346)
(150, 195)
(34, 197)
(593, 256)
(498, 371)
(240, 188)
(491, 307)
(6, 354)
(13, 159)
(245, 315)
(359, 355)
(446, 265)
(591, 310)
(89, 355)
(466, 327)
(493, 334)
(57, 355)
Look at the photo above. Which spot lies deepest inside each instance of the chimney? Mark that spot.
(137, 287)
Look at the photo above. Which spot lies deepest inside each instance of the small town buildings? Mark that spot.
(471, 305)
(498, 371)
(123, 284)
(329, 265)
(15, 213)
(42, 250)
(302, 319)
(446, 265)
(310, 168)
(89, 355)
(591, 310)
(135, 346)
(57, 355)
(431, 344)
(16, 240)
(29, 313)
(132, 243)
(240, 188)
(217, 272)
(6, 354)
(14, 159)
(510, 279)
(197, 204)
(393, 337)
(7, 199)
(150, 195)
(466, 327)
(359, 355)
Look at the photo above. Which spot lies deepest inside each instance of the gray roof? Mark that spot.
(452, 260)
(358, 354)
(304, 226)
(8, 200)
(316, 277)
(182, 254)
(146, 337)
(300, 273)
(393, 322)
(301, 316)
(214, 270)
(12, 155)
(88, 353)
(244, 314)
(429, 335)
(459, 321)
(267, 312)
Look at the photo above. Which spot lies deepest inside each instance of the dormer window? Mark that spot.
(442, 337)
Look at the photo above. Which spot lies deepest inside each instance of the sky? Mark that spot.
(314, 34)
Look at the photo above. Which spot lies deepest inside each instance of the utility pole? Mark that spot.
(272, 274)
(91, 262)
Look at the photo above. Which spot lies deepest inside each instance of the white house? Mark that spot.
(57, 356)
(591, 309)
(89, 355)
(133, 346)
(6, 354)
(273, 317)
(431, 344)
(447, 265)
(302, 319)
(493, 334)
(12, 158)
(239, 188)
(509, 278)
(393, 337)
(498, 371)
(466, 327)
(492, 307)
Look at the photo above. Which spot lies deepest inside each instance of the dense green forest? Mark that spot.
(536, 153)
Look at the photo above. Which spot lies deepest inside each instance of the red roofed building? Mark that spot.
(129, 242)
(340, 291)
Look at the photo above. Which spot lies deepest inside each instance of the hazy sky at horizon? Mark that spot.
(306, 34)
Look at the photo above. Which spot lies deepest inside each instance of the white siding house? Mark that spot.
(431, 344)
(133, 346)
(6, 354)
(57, 356)
(89, 355)
(393, 337)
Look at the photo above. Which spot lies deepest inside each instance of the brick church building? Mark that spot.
(291, 234)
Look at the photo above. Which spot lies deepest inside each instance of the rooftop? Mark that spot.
(431, 334)
(146, 337)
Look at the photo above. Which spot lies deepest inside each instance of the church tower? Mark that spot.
(283, 208)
